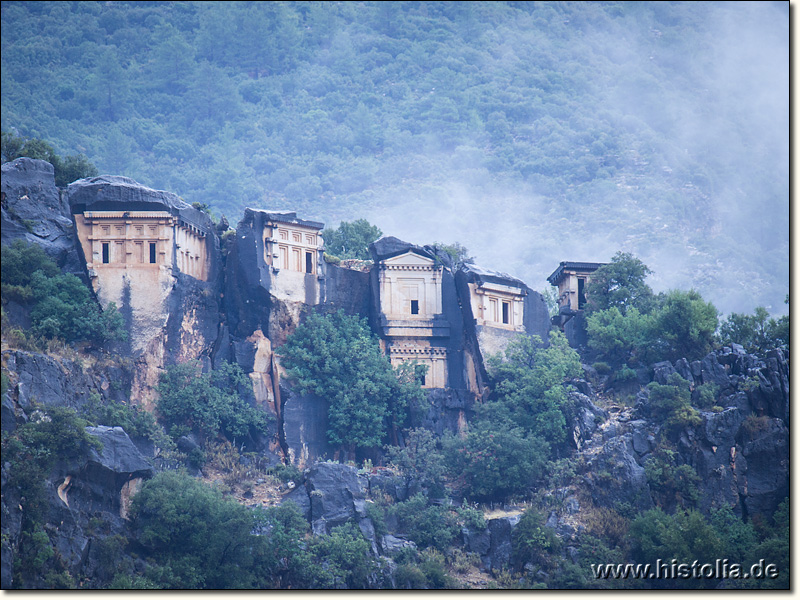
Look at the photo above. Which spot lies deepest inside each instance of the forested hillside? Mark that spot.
(531, 132)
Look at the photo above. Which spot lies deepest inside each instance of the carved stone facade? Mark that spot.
(499, 309)
(411, 321)
(572, 280)
(500, 305)
(133, 256)
(293, 251)
(116, 242)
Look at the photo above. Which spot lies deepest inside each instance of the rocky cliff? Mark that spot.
(739, 450)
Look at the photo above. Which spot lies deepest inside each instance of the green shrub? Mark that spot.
(673, 484)
(61, 306)
(602, 368)
(427, 526)
(532, 542)
(351, 240)
(706, 395)
(419, 459)
(685, 536)
(135, 421)
(345, 557)
(209, 403)
(336, 357)
(471, 518)
(672, 404)
(198, 538)
(495, 461)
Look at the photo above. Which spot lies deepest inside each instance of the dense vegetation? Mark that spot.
(209, 403)
(629, 325)
(588, 126)
(61, 306)
(336, 357)
(531, 129)
(523, 425)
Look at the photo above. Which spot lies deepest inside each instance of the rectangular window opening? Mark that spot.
(415, 307)
(581, 292)
(309, 262)
(506, 313)
(152, 253)
(105, 253)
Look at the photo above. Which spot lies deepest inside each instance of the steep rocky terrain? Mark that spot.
(739, 450)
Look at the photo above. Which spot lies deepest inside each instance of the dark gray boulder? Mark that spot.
(304, 426)
(119, 455)
(477, 541)
(47, 380)
(391, 545)
(767, 454)
(615, 477)
(587, 417)
(102, 481)
(33, 210)
(499, 554)
(721, 428)
(337, 494)
(662, 371)
(299, 496)
(712, 371)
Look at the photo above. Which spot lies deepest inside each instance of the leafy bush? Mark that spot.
(427, 526)
(337, 357)
(61, 306)
(282, 559)
(458, 254)
(620, 284)
(419, 459)
(209, 403)
(345, 558)
(532, 542)
(619, 337)
(705, 395)
(199, 539)
(757, 333)
(495, 461)
(672, 404)
(673, 484)
(685, 536)
(66, 170)
(423, 571)
(530, 382)
(685, 325)
(471, 518)
(135, 422)
(351, 240)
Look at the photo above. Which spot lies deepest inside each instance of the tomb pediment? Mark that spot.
(409, 259)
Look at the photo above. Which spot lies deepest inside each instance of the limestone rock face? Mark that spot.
(336, 493)
(304, 419)
(99, 486)
(616, 475)
(171, 307)
(33, 210)
(55, 381)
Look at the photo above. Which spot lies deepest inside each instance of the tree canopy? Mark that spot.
(337, 358)
(351, 240)
(620, 284)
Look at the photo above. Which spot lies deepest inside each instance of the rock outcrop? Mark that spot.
(34, 210)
